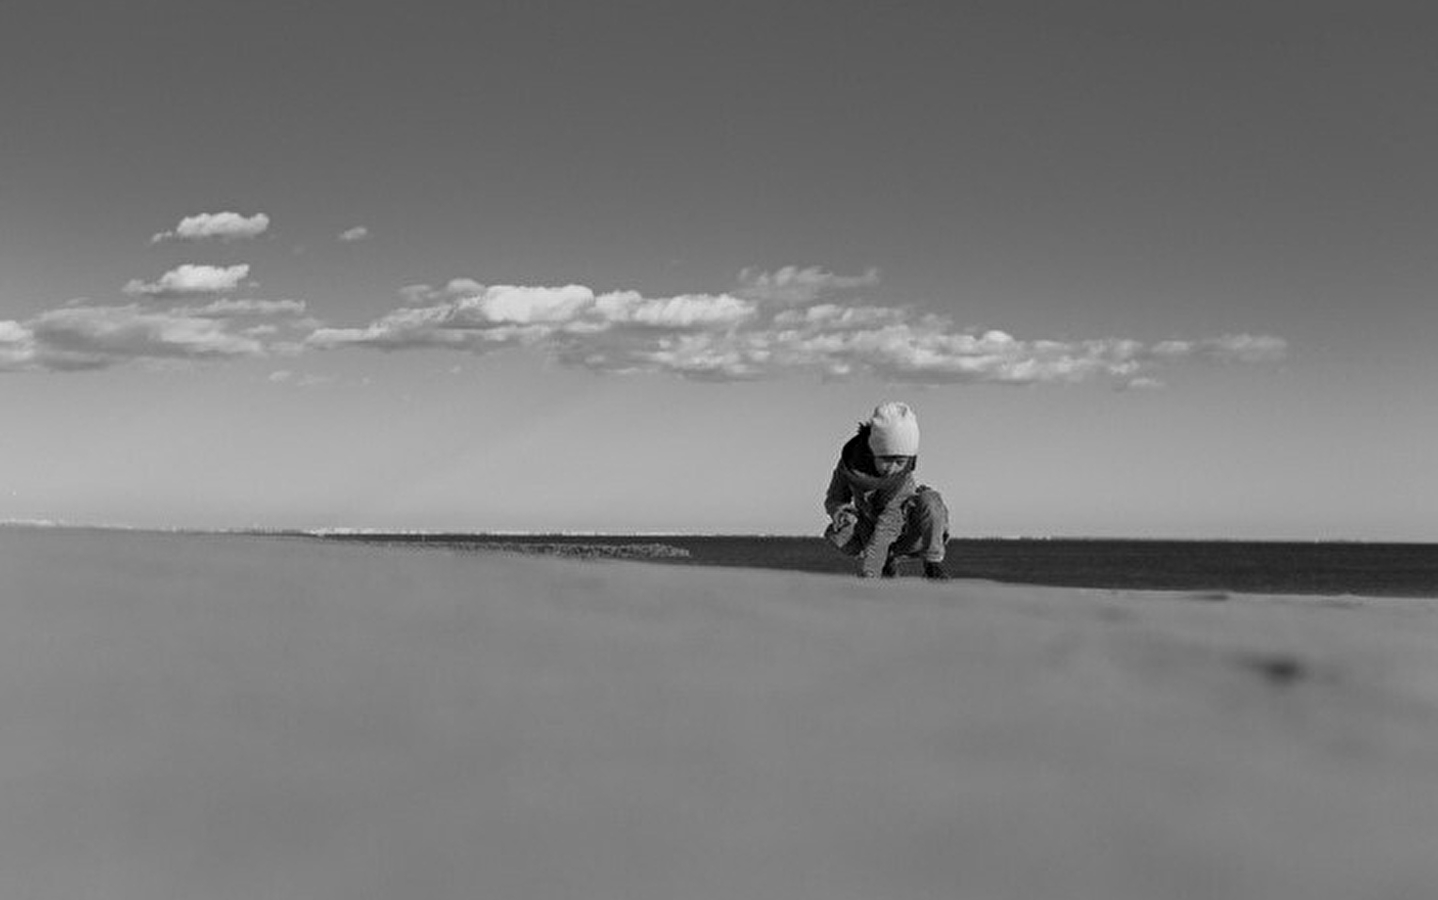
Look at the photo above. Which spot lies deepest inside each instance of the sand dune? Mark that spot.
(229, 717)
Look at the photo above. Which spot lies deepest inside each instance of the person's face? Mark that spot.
(888, 465)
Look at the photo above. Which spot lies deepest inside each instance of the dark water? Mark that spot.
(1394, 570)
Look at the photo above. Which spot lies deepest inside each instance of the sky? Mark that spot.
(1142, 270)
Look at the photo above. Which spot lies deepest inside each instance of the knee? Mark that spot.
(931, 516)
(931, 504)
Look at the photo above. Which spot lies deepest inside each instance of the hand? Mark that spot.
(843, 524)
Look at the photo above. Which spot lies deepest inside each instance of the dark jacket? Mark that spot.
(878, 501)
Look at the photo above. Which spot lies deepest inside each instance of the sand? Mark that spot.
(234, 717)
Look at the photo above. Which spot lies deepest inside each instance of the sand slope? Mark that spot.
(217, 718)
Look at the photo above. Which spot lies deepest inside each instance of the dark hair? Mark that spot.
(858, 454)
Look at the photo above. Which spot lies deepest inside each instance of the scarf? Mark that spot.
(865, 482)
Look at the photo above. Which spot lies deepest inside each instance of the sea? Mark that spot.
(1330, 568)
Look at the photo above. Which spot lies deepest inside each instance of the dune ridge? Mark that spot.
(239, 717)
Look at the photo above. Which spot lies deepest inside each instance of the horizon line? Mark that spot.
(365, 531)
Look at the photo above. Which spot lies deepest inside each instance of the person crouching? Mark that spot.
(877, 512)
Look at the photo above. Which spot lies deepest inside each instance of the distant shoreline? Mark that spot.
(503, 534)
(1213, 568)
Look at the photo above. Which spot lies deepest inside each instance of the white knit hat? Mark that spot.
(894, 430)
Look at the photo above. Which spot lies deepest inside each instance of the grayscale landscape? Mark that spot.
(429, 430)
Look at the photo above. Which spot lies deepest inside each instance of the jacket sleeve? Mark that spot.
(839, 495)
(887, 527)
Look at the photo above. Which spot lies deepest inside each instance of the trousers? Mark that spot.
(924, 533)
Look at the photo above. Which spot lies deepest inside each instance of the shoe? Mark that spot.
(935, 571)
(890, 570)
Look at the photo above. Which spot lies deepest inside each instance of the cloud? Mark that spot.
(90, 337)
(17, 346)
(1230, 348)
(525, 305)
(484, 318)
(225, 307)
(227, 226)
(683, 312)
(1246, 348)
(188, 280)
(1142, 383)
(357, 233)
(300, 379)
(839, 318)
(792, 284)
(732, 337)
(80, 337)
(703, 336)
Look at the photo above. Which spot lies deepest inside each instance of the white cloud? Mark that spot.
(300, 379)
(833, 316)
(76, 337)
(357, 233)
(1142, 383)
(460, 287)
(228, 307)
(723, 336)
(526, 305)
(227, 226)
(694, 335)
(1246, 348)
(478, 318)
(401, 329)
(1230, 348)
(683, 311)
(17, 346)
(415, 294)
(1173, 349)
(188, 280)
(100, 336)
(791, 284)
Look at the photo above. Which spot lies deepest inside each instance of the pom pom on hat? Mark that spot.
(894, 430)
